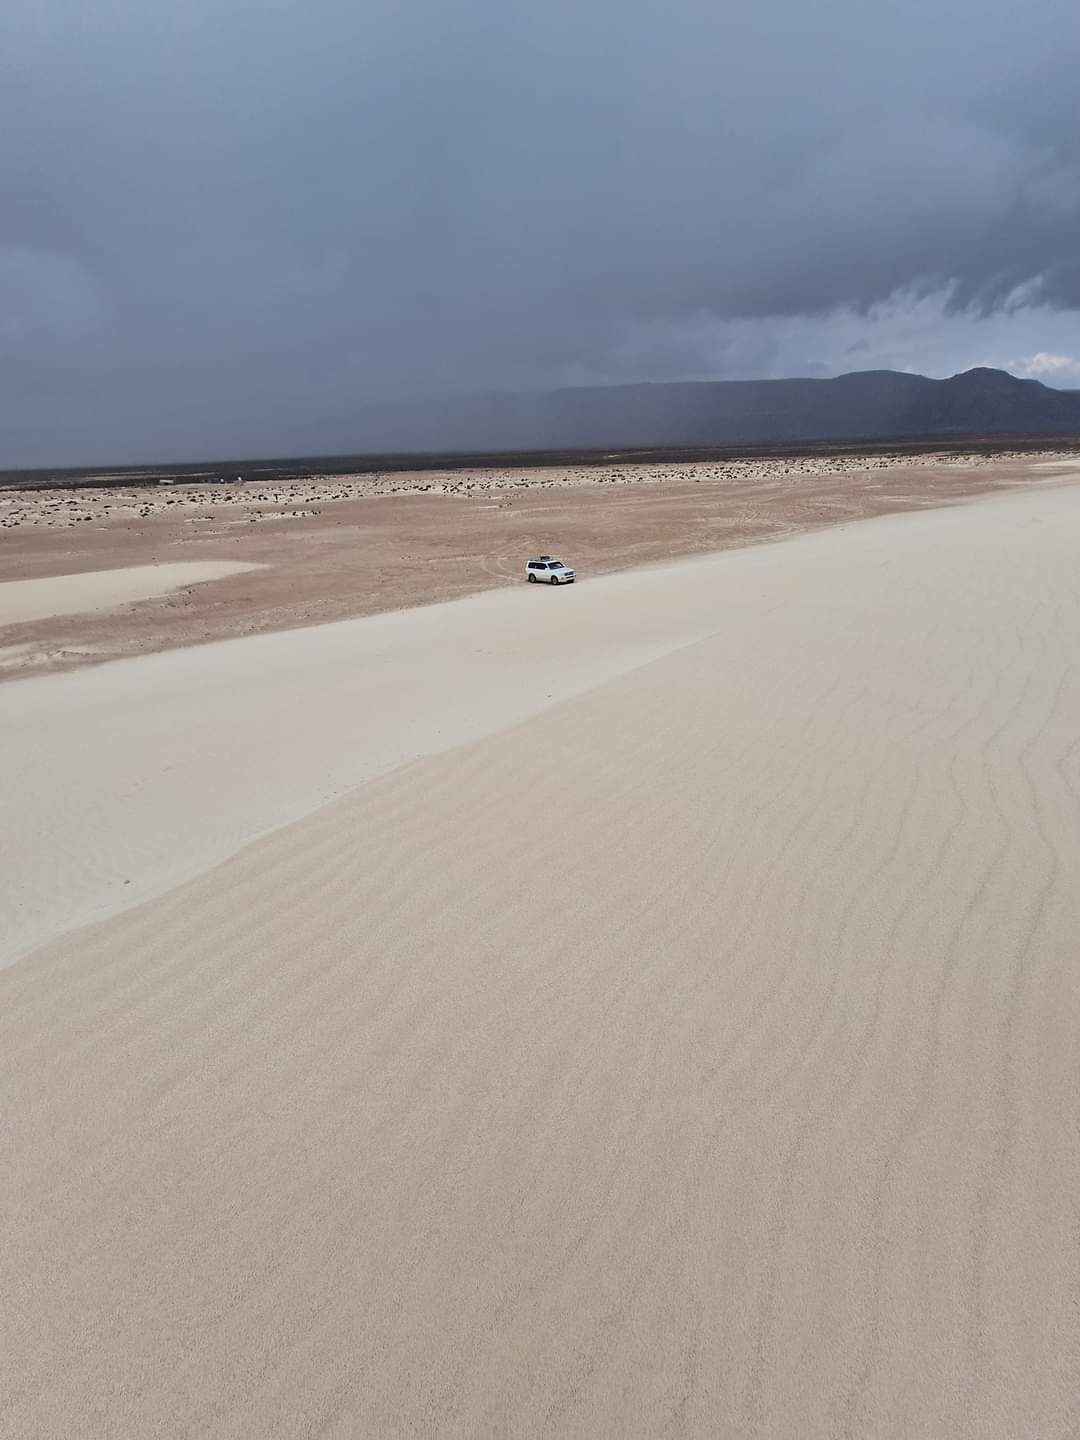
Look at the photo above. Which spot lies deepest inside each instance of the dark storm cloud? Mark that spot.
(225, 223)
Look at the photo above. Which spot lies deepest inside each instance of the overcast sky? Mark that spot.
(225, 223)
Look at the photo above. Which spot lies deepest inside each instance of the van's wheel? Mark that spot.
(532, 579)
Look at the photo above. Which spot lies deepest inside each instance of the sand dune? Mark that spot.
(24, 600)
(696, 1055)
(126, 778)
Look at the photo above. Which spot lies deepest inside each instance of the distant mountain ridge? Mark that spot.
(863, 405)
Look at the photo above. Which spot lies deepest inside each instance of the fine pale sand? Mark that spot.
(694, 1052)
(25, 600)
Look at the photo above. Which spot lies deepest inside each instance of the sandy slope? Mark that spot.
(697, 1056)
(124, 779)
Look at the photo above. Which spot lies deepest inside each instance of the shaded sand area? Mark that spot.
(122, 779)
(696, 1055)
(334, 547)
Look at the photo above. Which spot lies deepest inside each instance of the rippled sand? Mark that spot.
(680, 1040)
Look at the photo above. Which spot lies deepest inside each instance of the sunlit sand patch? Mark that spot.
(25, 600)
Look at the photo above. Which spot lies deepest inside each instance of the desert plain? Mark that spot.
(435, 1005)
